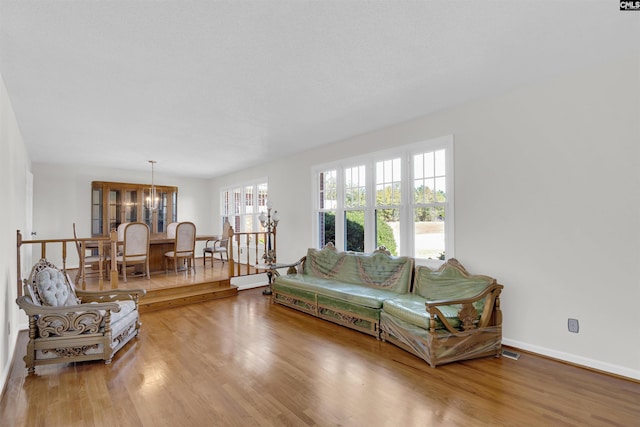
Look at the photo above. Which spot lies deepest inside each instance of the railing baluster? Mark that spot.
(100, 264)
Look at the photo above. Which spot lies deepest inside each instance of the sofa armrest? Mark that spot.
(111, 295)
(296, 267)
(66, 320)
(468, 315)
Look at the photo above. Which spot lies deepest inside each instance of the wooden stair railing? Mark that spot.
(239, 242)
(101, 242)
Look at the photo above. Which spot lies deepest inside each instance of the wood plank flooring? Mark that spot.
(242, 361)
(168, 290)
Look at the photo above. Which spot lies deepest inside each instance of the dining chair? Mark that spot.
(220, 246)
(135, 246)
(184, 247)
(84, 259)
(171, 230)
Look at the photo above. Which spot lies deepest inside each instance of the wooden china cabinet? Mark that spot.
(113, 203)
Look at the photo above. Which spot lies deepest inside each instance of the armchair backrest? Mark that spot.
(224, 239)
(49, 286)
(185, 238)
(135, 239)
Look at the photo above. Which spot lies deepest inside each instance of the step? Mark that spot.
(176, 290)
(187, 295)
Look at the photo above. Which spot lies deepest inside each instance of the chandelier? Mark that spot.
(152, 200)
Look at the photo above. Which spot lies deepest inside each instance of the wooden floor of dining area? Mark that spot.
(243, 361)
(168, 289)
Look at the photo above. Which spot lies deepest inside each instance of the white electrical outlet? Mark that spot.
(573, 325)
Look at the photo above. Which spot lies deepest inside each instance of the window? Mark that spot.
(242, 205)
(355, 201)
(401, 199)
(327, 211)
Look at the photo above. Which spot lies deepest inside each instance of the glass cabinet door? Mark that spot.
(131, 206)
(114, 203)
(96, 212)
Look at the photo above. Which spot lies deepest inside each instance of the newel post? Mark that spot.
(113, 275)
(230, 252)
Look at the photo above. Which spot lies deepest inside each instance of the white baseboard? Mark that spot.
(577, 360)
(250, 282)
(4, 376)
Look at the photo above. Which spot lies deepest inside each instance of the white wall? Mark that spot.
(14, 164)
(547, 184)
(62, 196)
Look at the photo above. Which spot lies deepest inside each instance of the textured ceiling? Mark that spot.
(209, 87)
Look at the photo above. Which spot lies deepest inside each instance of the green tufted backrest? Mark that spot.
(377, 270)
(451, 281)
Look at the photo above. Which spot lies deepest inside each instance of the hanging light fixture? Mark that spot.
(152, 199)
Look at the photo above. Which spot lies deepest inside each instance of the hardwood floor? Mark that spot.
(168, 290)
(242, 361)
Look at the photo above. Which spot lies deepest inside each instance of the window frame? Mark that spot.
(234, 208)
(407, 204)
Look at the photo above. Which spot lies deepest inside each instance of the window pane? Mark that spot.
(247, 223)
(237, 200)
(328, 193)
(226, 210)
(354, 231)
(388, 229)
(440, 188)
(429, 180)
(355, 187)
(440, 163)
(326, 228)
(262, 197)
(248, 200)
(429, 232)
(388, 176)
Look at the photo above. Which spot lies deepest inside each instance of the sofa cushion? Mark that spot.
(53, 288)
(352, 293)
(449, 282)
(377, 270)
(411, 309)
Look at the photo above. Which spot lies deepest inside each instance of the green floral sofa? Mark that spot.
(440, 316)
(347, 288)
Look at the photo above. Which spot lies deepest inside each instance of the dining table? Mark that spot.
(158, 245)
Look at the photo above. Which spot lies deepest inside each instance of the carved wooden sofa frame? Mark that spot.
(321, 301)
(436, 338)
(466, 324)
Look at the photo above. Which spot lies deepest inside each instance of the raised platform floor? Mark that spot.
(167, 290)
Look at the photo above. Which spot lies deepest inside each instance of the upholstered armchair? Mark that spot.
(69, 325)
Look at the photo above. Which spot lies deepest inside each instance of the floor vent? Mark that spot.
(510, 354)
